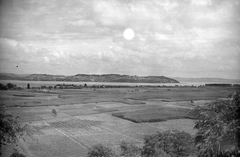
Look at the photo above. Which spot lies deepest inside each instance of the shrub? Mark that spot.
(100, 150)
(130, 150)
(28, 86)
(10, 85)
(169, 143)
(10, 130)
(218, 128)
(54, 112)
(17, 154)
(3, 87)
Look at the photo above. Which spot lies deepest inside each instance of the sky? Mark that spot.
(173, 38)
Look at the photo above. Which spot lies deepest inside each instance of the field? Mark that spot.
(109, 116)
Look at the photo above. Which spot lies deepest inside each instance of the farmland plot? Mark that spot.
(84, 117)
(51, 143)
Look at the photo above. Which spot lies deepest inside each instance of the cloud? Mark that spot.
(201, 2)
(172, 37)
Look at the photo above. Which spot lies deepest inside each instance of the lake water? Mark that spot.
(53, 83)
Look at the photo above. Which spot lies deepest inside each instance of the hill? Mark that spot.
(89, 78)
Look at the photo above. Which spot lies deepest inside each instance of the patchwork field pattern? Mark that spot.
(51, 143)
(84, 117)
(100, 128)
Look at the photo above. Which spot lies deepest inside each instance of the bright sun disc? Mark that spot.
(128, 34)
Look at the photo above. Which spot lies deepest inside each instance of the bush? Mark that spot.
(54, 112)
(28, 86)
(10, 86)
(100, 150)
(168, 144)
(218, 128)
(17, 154)
(130, 150)
(3, 87)
(10, 130)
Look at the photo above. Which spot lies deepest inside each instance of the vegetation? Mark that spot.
(100, 150)
(218, 135)
(169, 143)
(166, 144)
(54, 112)
(10, 131)
(17, 154)
(219, 85)
(130, 150)
(3, 87)
(28, 86)
(218, 128)
(220, 111)
(90, 78)
(155, 114)
(9, 86)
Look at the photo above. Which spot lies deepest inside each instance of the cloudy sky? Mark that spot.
(174, 38)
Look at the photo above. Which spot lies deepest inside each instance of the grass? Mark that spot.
(137, 97)
(155, 114)
(139, 106)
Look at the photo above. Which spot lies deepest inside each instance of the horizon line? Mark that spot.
(180, 77)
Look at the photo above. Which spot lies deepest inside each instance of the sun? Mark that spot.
(128, 34)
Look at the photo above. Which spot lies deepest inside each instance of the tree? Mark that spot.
(28, 86)
(54, 112)
(3, 87)
(168, 144)
(17, 154)
(10, 85)
(100, 150)
(10, 130)
(130, 150)
(218, 128)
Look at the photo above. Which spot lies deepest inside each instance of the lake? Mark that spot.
(53, 83)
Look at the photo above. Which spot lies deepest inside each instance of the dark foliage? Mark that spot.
(3, 87)
(28, 86)
(54, 112)
(100, 150)
(7, 86)
(10, 85)
(130, 150)
(169, 143)
(11, 131)
(9, 128)
(218, 128)
(17, 154)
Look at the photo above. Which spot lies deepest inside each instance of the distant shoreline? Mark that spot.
(23, 83)
(89, 78)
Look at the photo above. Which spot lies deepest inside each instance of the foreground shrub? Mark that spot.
(17, 154)
(218, 128)
(100, 150)
(168, 144)
(11, 131)
(130, 150)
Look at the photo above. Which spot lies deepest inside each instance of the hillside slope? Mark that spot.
(89, 78)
